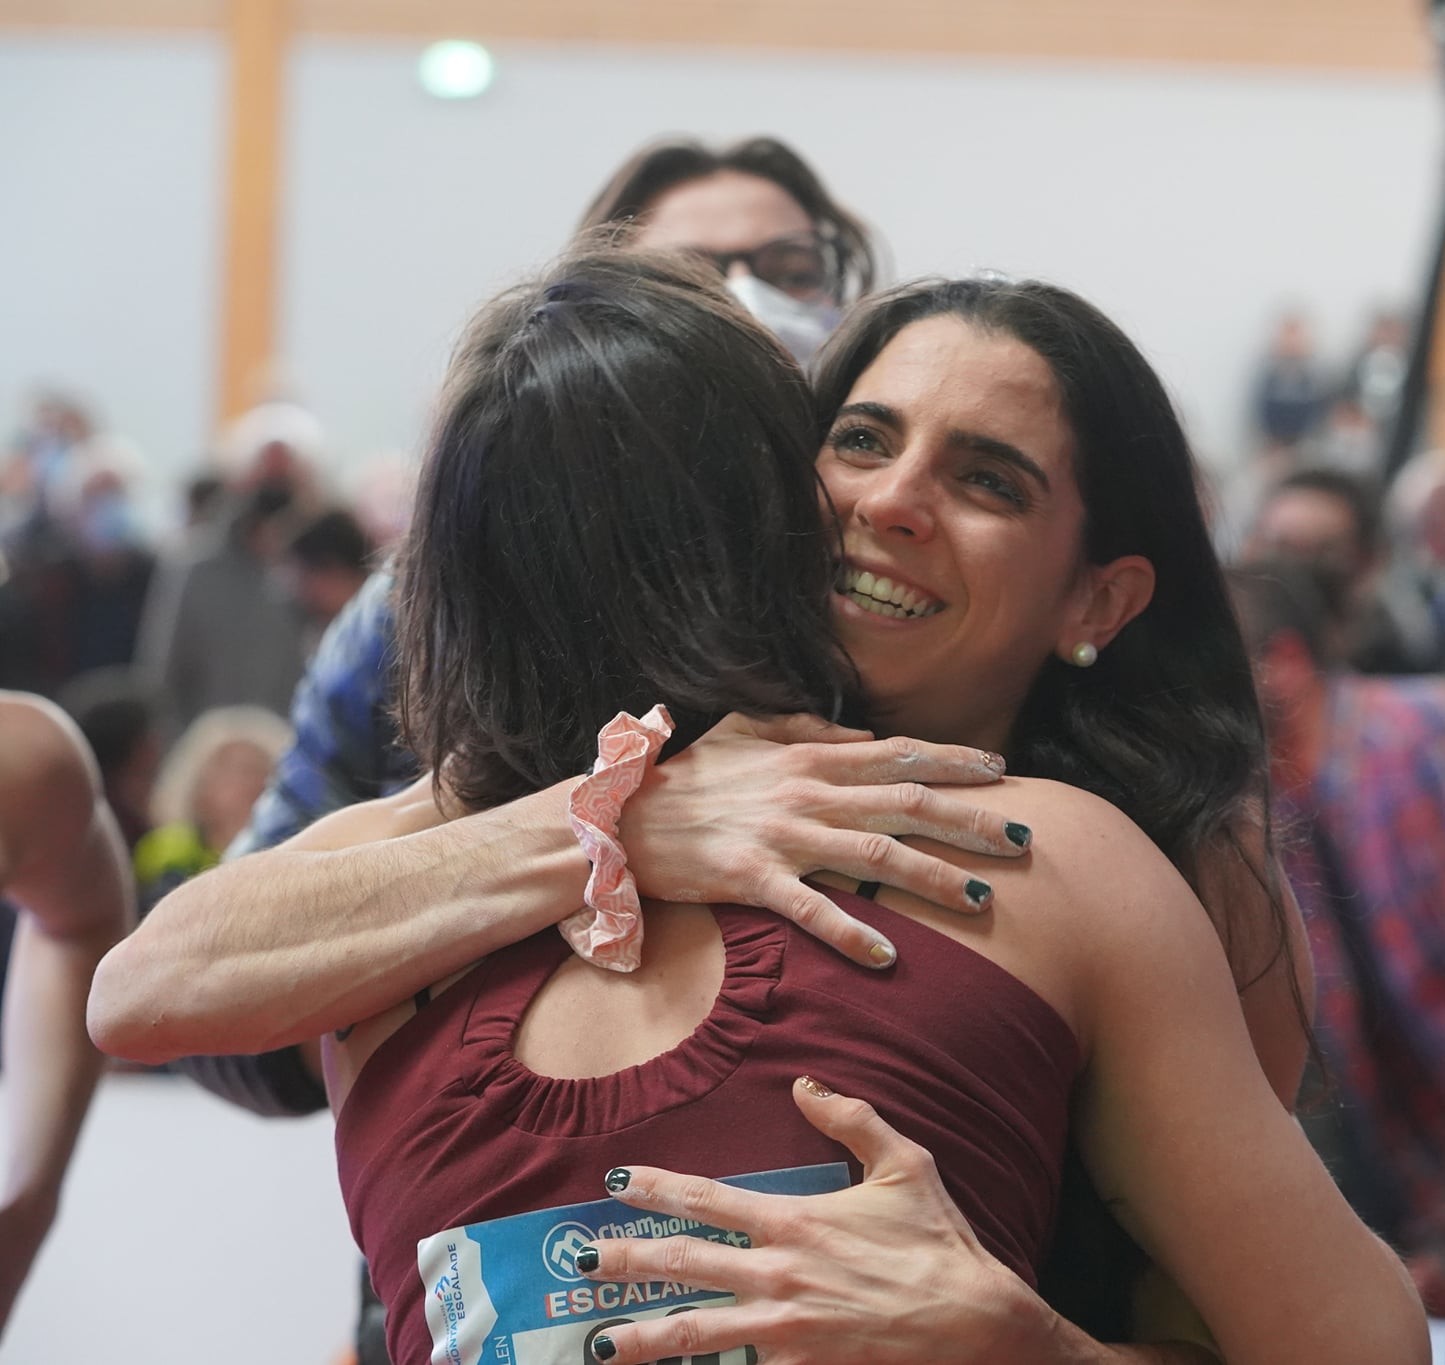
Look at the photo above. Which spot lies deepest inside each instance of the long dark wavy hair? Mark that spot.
(618, 507)
(646, 177)
(1166, 725)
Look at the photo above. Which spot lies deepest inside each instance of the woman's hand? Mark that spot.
(754, 806)
(886, 1271)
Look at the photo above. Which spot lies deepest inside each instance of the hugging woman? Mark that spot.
(618, 509)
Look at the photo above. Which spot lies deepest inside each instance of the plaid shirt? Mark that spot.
(1368, 866)
(345, 748)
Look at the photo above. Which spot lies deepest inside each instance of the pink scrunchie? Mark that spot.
(607, 931)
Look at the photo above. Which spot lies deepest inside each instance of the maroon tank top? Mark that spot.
(445, 1127)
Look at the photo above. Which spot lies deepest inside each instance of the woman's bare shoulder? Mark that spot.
(408, 811)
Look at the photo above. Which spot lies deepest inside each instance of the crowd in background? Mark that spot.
(177, 652)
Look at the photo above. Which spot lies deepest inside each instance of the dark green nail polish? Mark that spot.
(603, 1347)
(618, 1177)
(587, 1260)
(977, 891)
(1018, 835)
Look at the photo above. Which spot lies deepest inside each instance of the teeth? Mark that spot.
(873, 605)
(883, 597)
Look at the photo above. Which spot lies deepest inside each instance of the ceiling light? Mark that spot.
(456, 70)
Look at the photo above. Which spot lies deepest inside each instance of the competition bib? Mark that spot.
(506, 1292)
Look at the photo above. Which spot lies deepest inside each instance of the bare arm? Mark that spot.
(1187, 1142)
(284, 945)
(65, 865)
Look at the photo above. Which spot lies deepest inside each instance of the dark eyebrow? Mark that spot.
(879, 412)
(961, 440)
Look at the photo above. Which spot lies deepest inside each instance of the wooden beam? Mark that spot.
(257, 33)
(1357, 35)
(1353, 34)
(103, 15)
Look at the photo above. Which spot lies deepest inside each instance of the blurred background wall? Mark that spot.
(1190, 199)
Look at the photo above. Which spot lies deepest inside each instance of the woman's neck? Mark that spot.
(978, 728)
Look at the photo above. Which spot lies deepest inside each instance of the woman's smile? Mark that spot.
(884, 595)
(950, 466)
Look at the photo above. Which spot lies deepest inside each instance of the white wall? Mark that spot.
(1187, 202)
(191, 1233)
(109, 217)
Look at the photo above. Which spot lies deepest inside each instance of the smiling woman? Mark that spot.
(951, 465)
(1003, 451)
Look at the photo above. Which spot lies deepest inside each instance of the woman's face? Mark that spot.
(724, 212)
(951, 469)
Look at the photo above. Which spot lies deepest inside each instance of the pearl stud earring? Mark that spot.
(1084, 655)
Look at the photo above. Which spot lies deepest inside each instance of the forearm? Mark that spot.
(282, 946)
(50, 1066)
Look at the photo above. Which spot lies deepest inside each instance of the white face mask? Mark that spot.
(801, 327)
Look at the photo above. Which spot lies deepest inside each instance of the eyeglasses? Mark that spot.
(801, 264)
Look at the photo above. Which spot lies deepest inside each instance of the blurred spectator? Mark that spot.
(1416, 503)
(1320, 516)
(1332, 519)
(1350, 439)
(278, 445)
(220, 627)
(1359, 777)
(38, 460)
(116, 714)
(1377, 372)
(205, 501)
(1292, 391)
(329, 559)
(80, 573)
(108, 565)
(204, 794)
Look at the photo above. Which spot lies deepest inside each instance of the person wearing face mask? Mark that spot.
(791, 255)
(78, 607)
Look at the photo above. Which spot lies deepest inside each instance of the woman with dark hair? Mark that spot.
(934, 402)
(618, 508)
(1158, 715)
